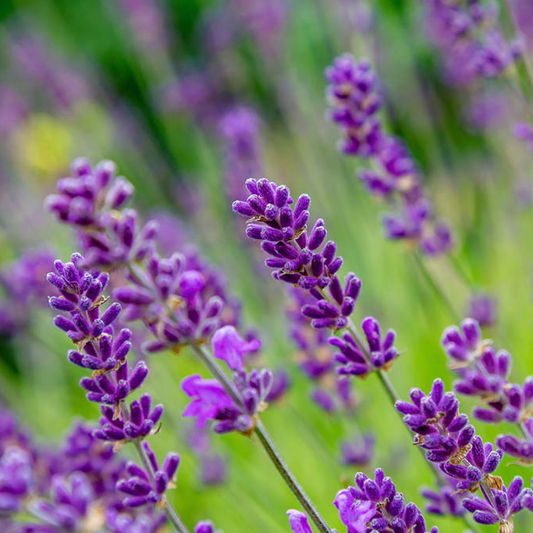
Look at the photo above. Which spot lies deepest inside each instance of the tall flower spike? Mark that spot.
(353, 94)
(304, 258)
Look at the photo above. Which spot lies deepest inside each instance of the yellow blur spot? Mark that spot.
(43, 146)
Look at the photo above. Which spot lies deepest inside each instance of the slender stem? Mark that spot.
(435, 287)
(524, 431)
(266, 440)
(170, 512)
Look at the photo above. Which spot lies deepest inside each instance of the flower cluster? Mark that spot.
(469, 37)
(484, 373)
(104, 351)
(372, 505)
(305, 259)
(451, 443)
(143, 487)
(91, 200)
(66, 488)
(24, 284)
(211, 401)
(483, 308)
(353, 93)
(181, 299)
(100, 349)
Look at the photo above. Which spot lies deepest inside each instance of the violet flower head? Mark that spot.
(350, 357)
(71, 500)
(375, 505)
(141, 487)
(437, 424)
(211, 402)
(298, 256)
(24, 284)
(444, 500)
(16, 478)
(484, 373)
(469, 37)
(506, 503)
(521, 449)
(353, 93)
(205, 527)
(483, 309)
(92, 200)
(180, 299)
(358, 452)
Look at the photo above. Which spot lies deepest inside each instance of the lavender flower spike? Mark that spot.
(353, 93)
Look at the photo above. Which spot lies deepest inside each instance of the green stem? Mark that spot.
(266, 440)
(435, 287)
(170, 512)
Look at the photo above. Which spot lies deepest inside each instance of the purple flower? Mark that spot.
(353, 95)
(470, 40)
(143, 420)
(92, 200)
(16, 478)
(205, 527)
(375, 505)
(522, 449)
(143, 487)
(444, 501)
(229, 346)
(298, 522)
(298, 256)
(358, 452)
(506, 502)
(437, 423)
(483, 309)
(25, 286)
(280, 384)
(211, 402)
(71, 499)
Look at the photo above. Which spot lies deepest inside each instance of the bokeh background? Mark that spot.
(147, 84)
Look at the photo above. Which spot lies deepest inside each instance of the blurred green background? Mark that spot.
(119, 68)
